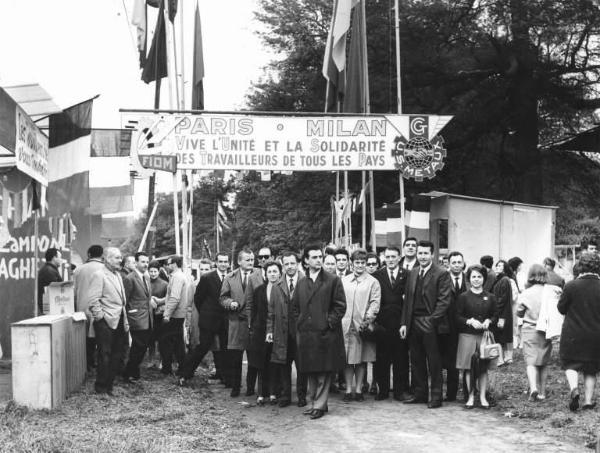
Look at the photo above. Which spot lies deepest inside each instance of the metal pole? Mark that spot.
(364, 210)
(191, 183)
(372, 208)
(176, 214)
(399, 100)
(147, 229)
(346, 221)
(36, 257)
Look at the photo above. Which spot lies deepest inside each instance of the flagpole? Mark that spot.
(372, 209)
(191, 217)
(364, 211)
(399, 100)
(36, 257)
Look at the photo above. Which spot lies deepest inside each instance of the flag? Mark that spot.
(69, 159)
(388, 226)
(117, 225)
(221, 211)
(155, 66)
(363, 193)
(381, 226)
(334, 61)
(417, 216)
(356, 98)
(198, 75)
(140, 20)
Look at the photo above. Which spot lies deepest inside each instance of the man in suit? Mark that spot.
(212, 319)
(488, 262)
(448, 342)
(391, 349)
(107, 306)
(82, 278)
(427, 298)
(236, 294)
(264, 255)
(139, 315)
(48, 273)
(289, 282)
(409, 251)
(342, 257)
(176, 307)
(319, 304)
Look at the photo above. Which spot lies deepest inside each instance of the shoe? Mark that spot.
(484, 406)
(347, 398)
(415, 400)
(450, 399)
(128, 380)
(434, 405)
(381, 397)
(533, 396)
(359, 397)
(308, 412)
(301, 402)
(365, 387)
(373, 390)
(317, 413)
(469, 406)
(284, 403)
(272, 400)
(574, 402)
(590, 406)
(249, 392)
(400, 397)
(260, 401)
(235, 393)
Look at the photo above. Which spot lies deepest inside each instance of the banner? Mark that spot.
(31, 148)
(215, 141)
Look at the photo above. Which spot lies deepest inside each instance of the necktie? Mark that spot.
(392, 278)
(291, 287)
(456, 286)
(244, 280)
(421, 273)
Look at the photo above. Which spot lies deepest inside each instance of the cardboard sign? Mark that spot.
(61, 298)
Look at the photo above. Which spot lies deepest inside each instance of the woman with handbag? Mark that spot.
(580, 337)
(536, 348)
(476, 312)
(363, 295)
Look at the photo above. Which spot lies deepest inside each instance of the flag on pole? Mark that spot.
(417, 216)
(356, 97)
(198, 75)
(69, 159)
(155, 66)
(140, 20)
(334, 61)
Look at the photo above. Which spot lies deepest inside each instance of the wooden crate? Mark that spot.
(48, 359)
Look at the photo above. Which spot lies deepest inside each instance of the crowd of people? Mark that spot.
(336, 315)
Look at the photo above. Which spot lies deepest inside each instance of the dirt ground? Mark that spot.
(156, 415)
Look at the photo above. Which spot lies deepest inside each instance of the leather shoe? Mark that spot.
(234, 393)
(414, 400)
(347, 397)
(381, 397)
(359, 397)
(590, 406)
(301, 402)
(434, 404)
(400, 397)
(574, 403)
(317, 413)
(308, 411)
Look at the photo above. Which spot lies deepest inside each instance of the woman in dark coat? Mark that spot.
(259, 351)
(580, 338)
(502, 289)
(279, 325)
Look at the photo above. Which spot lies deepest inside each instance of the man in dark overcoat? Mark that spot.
(319, 305)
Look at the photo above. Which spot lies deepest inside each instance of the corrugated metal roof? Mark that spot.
(34, 99)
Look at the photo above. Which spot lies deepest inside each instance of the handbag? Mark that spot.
(489, 349)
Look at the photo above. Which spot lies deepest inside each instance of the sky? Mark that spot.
(76, 49)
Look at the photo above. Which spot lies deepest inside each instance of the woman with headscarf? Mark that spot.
(580, 337)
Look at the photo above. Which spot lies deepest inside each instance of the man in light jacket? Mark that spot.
(107, 306)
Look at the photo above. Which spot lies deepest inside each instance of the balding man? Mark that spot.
(107, 305)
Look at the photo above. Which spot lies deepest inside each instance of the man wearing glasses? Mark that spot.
(107, 305)
(264, 255)
(372, 262)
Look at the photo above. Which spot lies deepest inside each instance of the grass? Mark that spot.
(154, 415)
(552, 416)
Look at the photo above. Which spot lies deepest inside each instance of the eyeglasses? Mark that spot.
(371, 264)
(264, 257)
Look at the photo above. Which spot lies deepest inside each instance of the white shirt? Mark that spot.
(424, 270)
(454, 277)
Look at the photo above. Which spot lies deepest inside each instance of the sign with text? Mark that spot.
(31, 148)
(214, 141)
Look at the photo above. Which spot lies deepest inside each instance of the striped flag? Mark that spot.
(69, 159)
(417, 216)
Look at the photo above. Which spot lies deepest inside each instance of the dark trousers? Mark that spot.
(194, 358)
(140, 341)
(392, 351)
(110, 350)
(448, 344)
(90, 352)
(171, 344)
(234, 367)
(301, 382)
(424, 353)
(251, 378)
(280, 380)
(156, 332)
